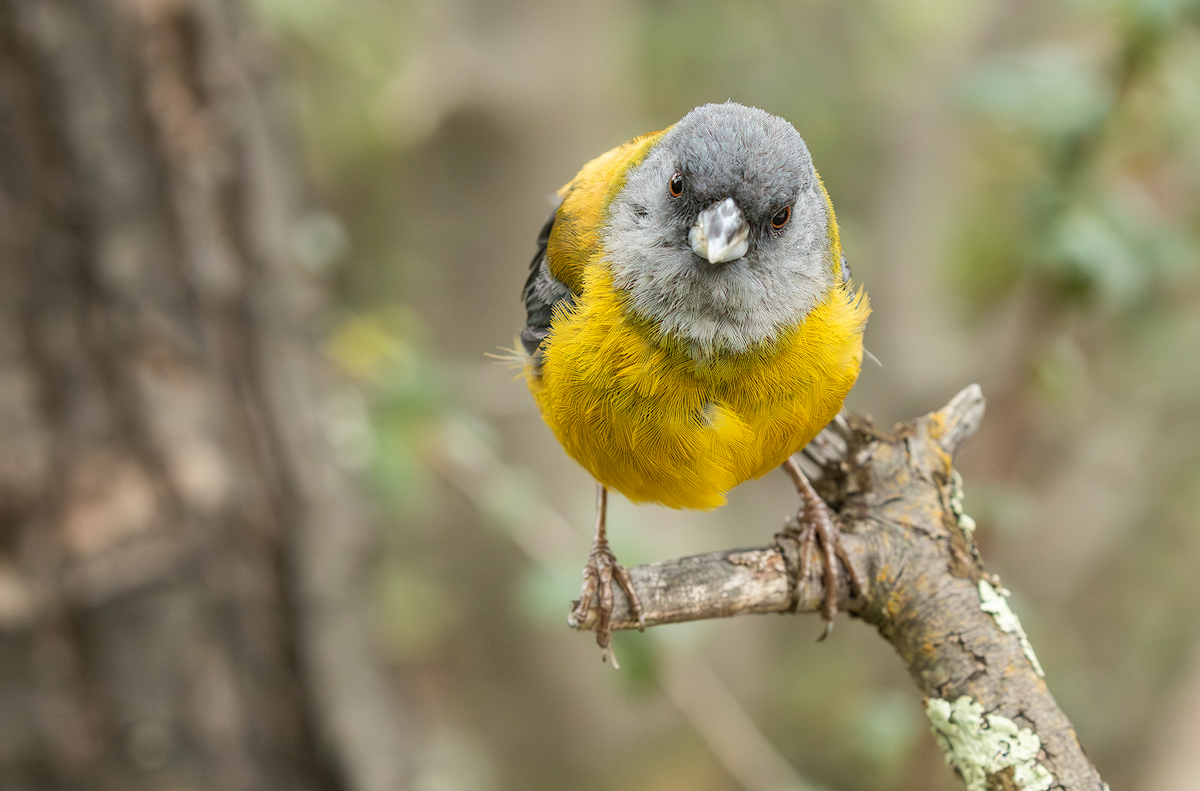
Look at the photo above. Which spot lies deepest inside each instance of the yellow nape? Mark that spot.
(651, 421)
(576, 233)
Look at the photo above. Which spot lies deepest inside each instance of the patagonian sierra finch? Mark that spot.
(691, 325)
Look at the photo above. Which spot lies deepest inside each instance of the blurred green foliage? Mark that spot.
(1094, 152)
(379, 354)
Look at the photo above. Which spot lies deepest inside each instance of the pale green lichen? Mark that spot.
(965, 522)
(995, 603)
(979, 746)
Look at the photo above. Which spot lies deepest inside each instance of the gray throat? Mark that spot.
(715, 308)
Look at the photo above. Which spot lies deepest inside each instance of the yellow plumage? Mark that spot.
(644, 414)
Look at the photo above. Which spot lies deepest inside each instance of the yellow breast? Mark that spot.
(656, 425)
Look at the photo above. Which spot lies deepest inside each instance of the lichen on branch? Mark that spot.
(898, 501)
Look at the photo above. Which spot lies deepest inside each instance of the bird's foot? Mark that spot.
(597, 593)
(814, 523)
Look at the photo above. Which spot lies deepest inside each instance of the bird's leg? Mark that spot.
(602, 567)
(814, 522)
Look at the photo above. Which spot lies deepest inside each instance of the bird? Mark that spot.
(690, 324)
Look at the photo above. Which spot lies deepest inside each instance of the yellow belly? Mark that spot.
(648, 420)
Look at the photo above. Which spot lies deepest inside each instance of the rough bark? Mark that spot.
(180, 559)
(894, 494)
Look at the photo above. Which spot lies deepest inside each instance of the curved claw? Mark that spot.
(597, 593)
(602, 567)
(635, 604)
(815, 523)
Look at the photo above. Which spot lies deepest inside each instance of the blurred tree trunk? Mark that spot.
(181, 600)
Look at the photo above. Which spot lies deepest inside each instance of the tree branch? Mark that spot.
(898, 502)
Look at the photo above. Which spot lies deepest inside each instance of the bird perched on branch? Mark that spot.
(691, 324)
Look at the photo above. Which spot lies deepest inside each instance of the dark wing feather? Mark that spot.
(542, 293)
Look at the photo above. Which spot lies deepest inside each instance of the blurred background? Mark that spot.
(1017, 184)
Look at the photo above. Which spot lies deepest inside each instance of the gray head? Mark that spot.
(721, 235)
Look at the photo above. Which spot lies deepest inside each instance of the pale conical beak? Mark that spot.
(721, 233)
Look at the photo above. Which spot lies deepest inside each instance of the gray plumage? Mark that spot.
(722, 151)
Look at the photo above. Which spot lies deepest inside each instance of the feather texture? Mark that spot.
(647, 413)
(649, 420)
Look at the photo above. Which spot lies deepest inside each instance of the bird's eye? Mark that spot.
(781, 218)
(675, 185)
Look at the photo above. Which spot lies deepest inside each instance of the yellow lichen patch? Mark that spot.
(921, 585)
(936, 425)
(894, 604)
(943, 457)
